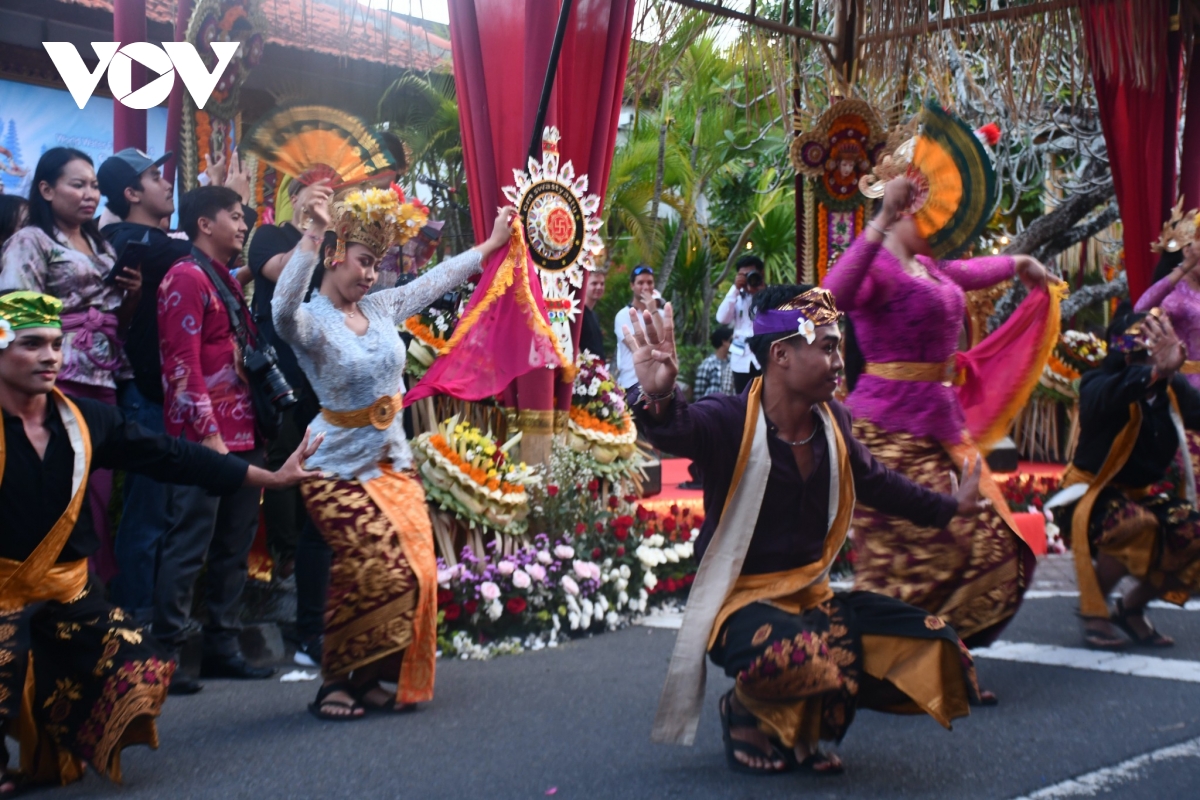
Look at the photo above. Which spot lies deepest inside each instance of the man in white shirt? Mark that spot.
(735, 310)
(644, 297)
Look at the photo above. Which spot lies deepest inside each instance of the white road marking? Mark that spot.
(1102, 780)
(1042, 594)
(670, 621)
(1141, 666)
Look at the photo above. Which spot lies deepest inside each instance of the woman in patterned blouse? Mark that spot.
(61, 253)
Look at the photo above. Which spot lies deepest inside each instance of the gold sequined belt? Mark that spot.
(379, 414)
(1190, 368)
(923, 372)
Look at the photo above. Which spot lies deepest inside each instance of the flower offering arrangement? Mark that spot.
(430, 330)
(599, 424)
(468, 474)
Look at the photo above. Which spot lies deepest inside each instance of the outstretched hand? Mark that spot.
(293, 470)
(965, 489)
(650, 337)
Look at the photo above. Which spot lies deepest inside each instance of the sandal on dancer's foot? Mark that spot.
(985, 698)
(386, 706)
(820, 763)
(1121, 617)
(1102, 640)
(323, 707)
(731, 719)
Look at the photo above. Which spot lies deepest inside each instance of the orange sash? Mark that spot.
(23, 583)
(402, 500)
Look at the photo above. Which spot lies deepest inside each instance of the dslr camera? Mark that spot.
(754, 279)
(262, 363)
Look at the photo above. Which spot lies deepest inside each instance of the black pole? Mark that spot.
(560, 33)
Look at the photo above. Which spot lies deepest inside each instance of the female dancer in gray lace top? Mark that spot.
(381, 608)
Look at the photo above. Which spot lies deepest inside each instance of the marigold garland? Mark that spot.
(422, 331)
(588, 422)
(476, 474)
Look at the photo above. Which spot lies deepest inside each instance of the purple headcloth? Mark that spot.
(800, 316)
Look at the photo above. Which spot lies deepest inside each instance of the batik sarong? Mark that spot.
(1157, 538)
(382, 598)
(92, 681)
(804, 675)
(972, 573)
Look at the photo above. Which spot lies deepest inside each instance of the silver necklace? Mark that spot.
(349, 314)
(800, 443)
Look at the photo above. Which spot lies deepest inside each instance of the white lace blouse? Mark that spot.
(350, 372)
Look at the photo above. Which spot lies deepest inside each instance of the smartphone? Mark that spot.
(131, 255)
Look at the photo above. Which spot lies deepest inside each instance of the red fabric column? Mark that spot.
(129, 25)
(501, 49)
(1134, 119)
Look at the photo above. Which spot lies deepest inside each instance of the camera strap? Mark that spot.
(233, 307)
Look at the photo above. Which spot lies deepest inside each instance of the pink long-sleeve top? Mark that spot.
(902, 317)
(1181, 302)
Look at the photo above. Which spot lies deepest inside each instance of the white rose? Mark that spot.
(544, 557)
(612, 619)
(622, 599)
(564, 552)
(598, 613)
(602, 601)
(537, 572)
(622, 584)
(494, 610)
(521, 580)
(489, 590)
(574, 619)
(671, 555)
(569, 584)
(582, 569)
(444, 576)
(585, 608)
(650, 580)
(506, 567)
(572, 604)
(625, 571)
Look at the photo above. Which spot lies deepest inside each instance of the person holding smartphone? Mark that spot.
(735, 310)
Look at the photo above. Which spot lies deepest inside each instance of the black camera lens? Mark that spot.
(754, 279)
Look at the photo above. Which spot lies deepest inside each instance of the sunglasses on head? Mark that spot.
(642, 271)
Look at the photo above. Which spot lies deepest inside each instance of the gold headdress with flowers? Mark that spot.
(1178, 230)
(893, 160)
(376, 219)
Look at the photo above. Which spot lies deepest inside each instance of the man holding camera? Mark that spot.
(208, 399)
(735, 310)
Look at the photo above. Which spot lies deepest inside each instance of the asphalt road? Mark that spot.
(574, 722)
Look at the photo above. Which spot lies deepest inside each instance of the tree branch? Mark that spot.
(1073, 236)
(1090, 295)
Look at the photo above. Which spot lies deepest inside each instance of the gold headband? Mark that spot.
(817, 305)
(1177, 231)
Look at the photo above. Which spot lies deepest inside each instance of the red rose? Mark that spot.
(452, 612)
(621, 533)
(620, 552)
(698, 521)
(642, 513)
(674, 510)
(670, 582)
(613, 502)
(551, 490)
(593, 485)
(444, 596)
(599, 527)
(580, 528)
(689, 579)
(624, 521)
(597, 553)
(687, 512)
(631, 498)
(470, 606)
(668, 524)
(515, 605)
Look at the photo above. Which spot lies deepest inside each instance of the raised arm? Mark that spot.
(292, 321)
(404, 301)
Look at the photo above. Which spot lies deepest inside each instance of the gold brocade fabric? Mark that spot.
(382, 581)
(379, 414)
(914, 371)
(970, 574)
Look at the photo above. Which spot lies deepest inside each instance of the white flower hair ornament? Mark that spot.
(808, 330)
(6, 333)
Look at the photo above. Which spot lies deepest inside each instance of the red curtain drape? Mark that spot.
(1136, 63)
(501, 49)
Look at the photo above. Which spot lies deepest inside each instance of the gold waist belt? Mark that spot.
(943, 372)
(379, 414)
(1190, 368)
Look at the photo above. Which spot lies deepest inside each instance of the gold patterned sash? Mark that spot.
(1190, 368)
(378, 415)
(28, 578)
(918, 371)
